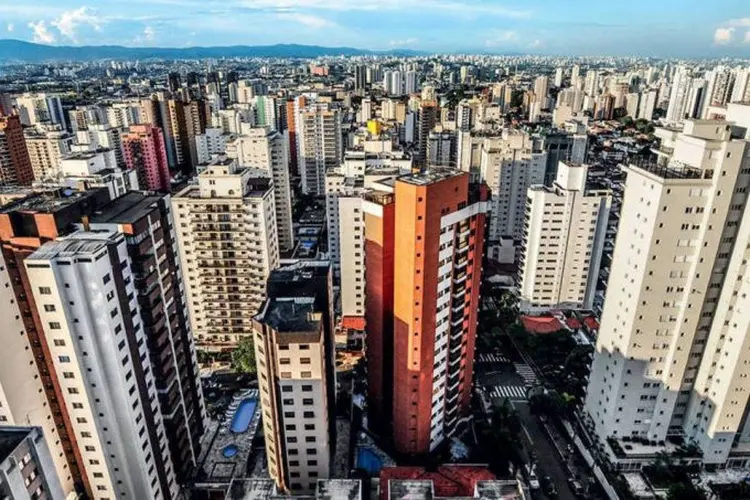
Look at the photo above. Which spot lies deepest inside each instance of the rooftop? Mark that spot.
(445, 481)
(10, 438)
(251, 489)
(290, 314)
(49, 201)
(339, 489)
(128, 208)
(431, 176)
(76, 245)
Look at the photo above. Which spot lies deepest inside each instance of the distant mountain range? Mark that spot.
(18, 50)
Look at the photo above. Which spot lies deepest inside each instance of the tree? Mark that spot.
(684, 491)
(243, 357)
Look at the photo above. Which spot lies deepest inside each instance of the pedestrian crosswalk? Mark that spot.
(526, 373)
(493, 358)
(508, 391)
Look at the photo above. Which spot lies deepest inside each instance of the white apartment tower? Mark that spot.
(320, 144)
(265, 149)
(563, 241)
(85, 295)
(510, 164)
(678, 99)
(673, 350)
(226, 228)
(22, 398)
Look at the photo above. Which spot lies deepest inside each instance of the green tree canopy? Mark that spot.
(243, 357)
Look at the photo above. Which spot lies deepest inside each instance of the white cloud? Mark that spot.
(10, 27)
(723, 36)
(69, 22)
(747, 37)
(500, 38)
(743, 22)
(456, 6)
(149, 33)
(536, 44)
(41, 33)
(308, 20)
(401, 43)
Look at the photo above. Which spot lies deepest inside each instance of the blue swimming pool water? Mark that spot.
(244, 415)
(229, 451)
(369, 461)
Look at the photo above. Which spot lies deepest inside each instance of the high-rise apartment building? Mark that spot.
(265, 149)
(672, 357)
(509, 165)
(428, 118)
(226, 228)
(46, 148)
(211, 143)
(320, 146)
(345, 188)
(647, 105)
(84, 289)
(678, 98)
(147, 223)
(563, 241)
(293, 336)
(26, 466)
(84, 170)
(15, 165)
(423, 253)
(25, 225)
(144, 152)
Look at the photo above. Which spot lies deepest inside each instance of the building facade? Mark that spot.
(320, 145)
(144, 152)
(26, 466)
(423, 253)
(147, 223)
(563, 241)
(226, 228)
(84, 289)
(15, 164)
(293, 336)
(672, 355)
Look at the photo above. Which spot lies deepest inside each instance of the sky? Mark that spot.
(660, 28)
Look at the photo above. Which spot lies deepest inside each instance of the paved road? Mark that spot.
(548, 460)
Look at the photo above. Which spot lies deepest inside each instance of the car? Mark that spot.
(533, 480)
(576, 487)
(549, 488)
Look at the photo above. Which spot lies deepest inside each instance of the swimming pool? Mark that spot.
(369, 461)
(229, 451)
(243, 416)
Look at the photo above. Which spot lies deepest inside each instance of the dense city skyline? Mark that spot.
(672, 29)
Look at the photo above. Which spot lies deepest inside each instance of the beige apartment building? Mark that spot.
(673, 351)
(563, 241)
(226, 227)
(294, 354)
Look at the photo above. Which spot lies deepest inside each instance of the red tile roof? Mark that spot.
(353, 322)
(541, 324)
(447, 480)
(591, 323)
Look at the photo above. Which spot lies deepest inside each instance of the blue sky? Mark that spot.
(680, 28)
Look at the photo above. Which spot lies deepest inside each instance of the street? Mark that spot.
(549, 462)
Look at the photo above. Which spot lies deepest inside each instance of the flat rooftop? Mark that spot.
(128, 208)
(74, 247)
(291, 315)
(410, 489)
(339, 489)
(251, 489)
(48, 201)
(431, 176)
(10, 438)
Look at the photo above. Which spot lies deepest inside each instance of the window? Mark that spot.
(89, 448)
(307, 388)
(307, 401)
(64, 359)
(72, 390)
(49, 308)
(309, 414)
(59, 342)
(45, 290)
(106, 279)
(54, 325)
(68, 375)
